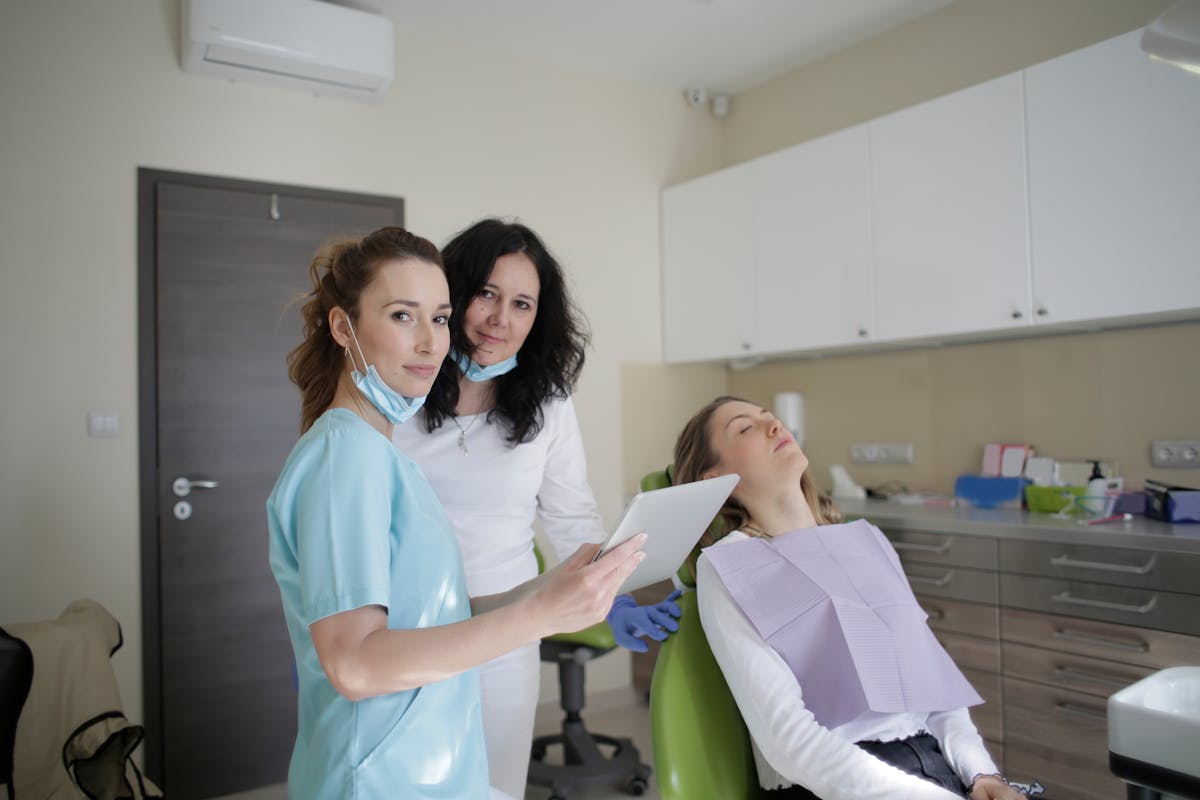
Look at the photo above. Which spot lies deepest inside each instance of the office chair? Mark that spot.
(16, 676)
(584, 763)
(701, 745)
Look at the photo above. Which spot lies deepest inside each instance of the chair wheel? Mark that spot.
(636, 787)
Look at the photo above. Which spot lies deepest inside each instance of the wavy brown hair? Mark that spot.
(340, 271)
(694, 455)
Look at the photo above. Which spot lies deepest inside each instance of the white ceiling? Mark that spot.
(725, 46)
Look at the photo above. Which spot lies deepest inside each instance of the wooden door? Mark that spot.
(226, 261)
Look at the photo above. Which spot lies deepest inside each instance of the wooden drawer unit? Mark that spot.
(956, 616)
(1066, 671)
(1138, 607)
(988, 718)
(961, 583)
(971, 652)
(1160, 572)
(1154, 650)
(943, 548)
(1059, 738)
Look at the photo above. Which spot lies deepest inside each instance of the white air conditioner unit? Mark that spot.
(304, 44)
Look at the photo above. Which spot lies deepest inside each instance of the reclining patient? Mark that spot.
(845, 690)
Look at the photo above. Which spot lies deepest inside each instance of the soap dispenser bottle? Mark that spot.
(1095, 498)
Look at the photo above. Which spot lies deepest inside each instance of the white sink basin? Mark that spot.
(1157, 720)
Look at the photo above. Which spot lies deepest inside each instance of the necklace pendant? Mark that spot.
(462, 441)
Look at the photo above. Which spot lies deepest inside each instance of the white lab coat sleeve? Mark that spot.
(566, 504)
(962, 745)
(787, 735)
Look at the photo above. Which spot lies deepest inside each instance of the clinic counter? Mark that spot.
(1013, 524)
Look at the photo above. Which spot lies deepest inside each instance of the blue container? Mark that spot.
(1172, 503)
(984, 492)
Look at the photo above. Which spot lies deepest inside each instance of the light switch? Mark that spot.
(103, 423)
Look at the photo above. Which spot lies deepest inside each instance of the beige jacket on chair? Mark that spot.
(73, 739)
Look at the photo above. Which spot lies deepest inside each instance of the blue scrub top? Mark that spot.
(354, 522)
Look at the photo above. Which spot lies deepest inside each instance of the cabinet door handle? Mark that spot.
(1087, 677)
(1130, 569)
(1067, 597)
(1101, 641)
(921, 547)
(936, 614)
(942, 581)
(1085, 712)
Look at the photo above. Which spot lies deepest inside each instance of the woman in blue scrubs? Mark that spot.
(384, 634)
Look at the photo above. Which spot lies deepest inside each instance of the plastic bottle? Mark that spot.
(1095, 498)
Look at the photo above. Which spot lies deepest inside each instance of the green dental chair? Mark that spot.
(701, 745)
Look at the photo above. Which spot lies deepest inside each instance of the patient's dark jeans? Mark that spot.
(919, 755)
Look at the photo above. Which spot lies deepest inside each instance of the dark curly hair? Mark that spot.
(550, 360)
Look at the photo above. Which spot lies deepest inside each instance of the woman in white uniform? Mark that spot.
(499, 441)
(846, 693)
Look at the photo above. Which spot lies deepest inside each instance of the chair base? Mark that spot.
(584, 764)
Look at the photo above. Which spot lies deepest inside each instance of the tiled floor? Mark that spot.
(620, 712)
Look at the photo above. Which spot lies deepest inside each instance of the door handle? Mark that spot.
(182, 487)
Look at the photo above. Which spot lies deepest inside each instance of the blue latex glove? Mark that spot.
(629, 621)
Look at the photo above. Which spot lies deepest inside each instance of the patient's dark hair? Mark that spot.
(695, 455)
(550, 360)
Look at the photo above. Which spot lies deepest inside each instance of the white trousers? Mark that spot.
(509, 692)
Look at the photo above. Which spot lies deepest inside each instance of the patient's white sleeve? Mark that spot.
(962, 745)
(789, 738)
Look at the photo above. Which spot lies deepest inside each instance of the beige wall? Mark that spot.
(93, 90)
(1099, 395)
(965, 43)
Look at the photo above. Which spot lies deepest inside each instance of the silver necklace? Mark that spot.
(462, 432)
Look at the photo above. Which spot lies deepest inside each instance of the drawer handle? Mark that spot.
(935, 613)
(942, 581)
(1129, 569)
(1101, 641)
(1145, 608)
(1087, 677)
(1072, 710)
(921, 547)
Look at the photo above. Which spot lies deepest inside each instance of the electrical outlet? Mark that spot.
(882, 453)
(1175, 453)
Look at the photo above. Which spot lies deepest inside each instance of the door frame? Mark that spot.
(147, 376)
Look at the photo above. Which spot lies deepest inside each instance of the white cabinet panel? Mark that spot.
(708, 267)
(949, 214)
(1114, 184)
(812, 244)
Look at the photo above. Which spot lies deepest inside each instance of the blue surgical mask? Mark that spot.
(394, 406)
(478, 374)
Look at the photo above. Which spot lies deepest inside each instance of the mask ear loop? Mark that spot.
(357, 345)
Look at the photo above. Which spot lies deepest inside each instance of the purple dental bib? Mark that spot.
(834, 603)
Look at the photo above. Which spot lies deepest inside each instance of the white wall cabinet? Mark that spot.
(949, 214)
(708, 268)
(1114, 184)
(1064, 195)
(812, 244)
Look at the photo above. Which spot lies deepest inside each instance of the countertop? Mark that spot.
(1140, 532)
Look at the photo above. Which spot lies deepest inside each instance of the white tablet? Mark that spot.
(673, 518)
